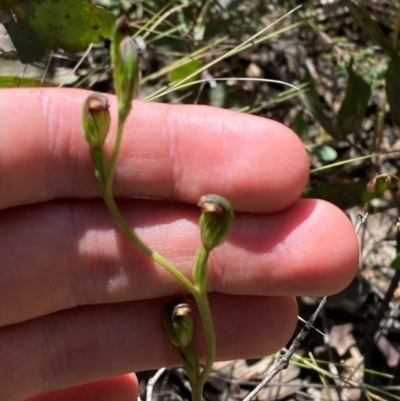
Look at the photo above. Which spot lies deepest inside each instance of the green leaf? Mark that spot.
(15, 82)
(311, 99)
(37, 27)
(300, 126)
(354, 105)
(363, 19)
(392, 79)
(342, 194)
(396, 262)
(185, 70)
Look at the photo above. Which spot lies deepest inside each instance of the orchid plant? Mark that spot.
(215, 220)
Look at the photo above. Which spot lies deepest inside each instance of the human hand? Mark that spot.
(79, 304)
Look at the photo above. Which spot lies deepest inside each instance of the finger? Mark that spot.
(63, 255)
(170, 152)
(79, 346)
(122, 388)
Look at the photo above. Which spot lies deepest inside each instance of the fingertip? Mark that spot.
(251, 327)
(310, 249)
(324, 249)
(340, 248)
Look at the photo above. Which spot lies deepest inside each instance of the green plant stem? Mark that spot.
(200, 271)
(203, 305)
(380, 125)
(100, 165)
(113, 208)
(198, 289)
(197, 391)
(114, 156)
(208, 327)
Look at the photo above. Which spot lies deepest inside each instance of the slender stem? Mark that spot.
(197, 391)
(113, 208)
(115, 153)
(200, 271)
(198, 289)
(201, 298)
(100, 166)
(208, 326)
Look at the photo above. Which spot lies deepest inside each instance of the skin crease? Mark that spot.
(81, 307)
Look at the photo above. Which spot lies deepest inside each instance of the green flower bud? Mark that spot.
(215, 220)
(191, 363)
(178, 322)
(125, 63)
(121, 30)
(129, 73)
(96, 119)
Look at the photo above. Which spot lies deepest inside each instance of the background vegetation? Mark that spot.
(343, 57)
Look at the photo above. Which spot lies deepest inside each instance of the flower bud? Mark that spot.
(215, 220)
(191, 363)
(96, 119)
(129, 73)
(121, 30)
(178, 322)
(125, 63)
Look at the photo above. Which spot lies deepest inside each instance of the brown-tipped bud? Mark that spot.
(388, 181)
(121, 30)
(122, 26)
(96, 119)
(178, 322)
(371, 186)
(215, 220)
(128, 76)
(125, 62)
